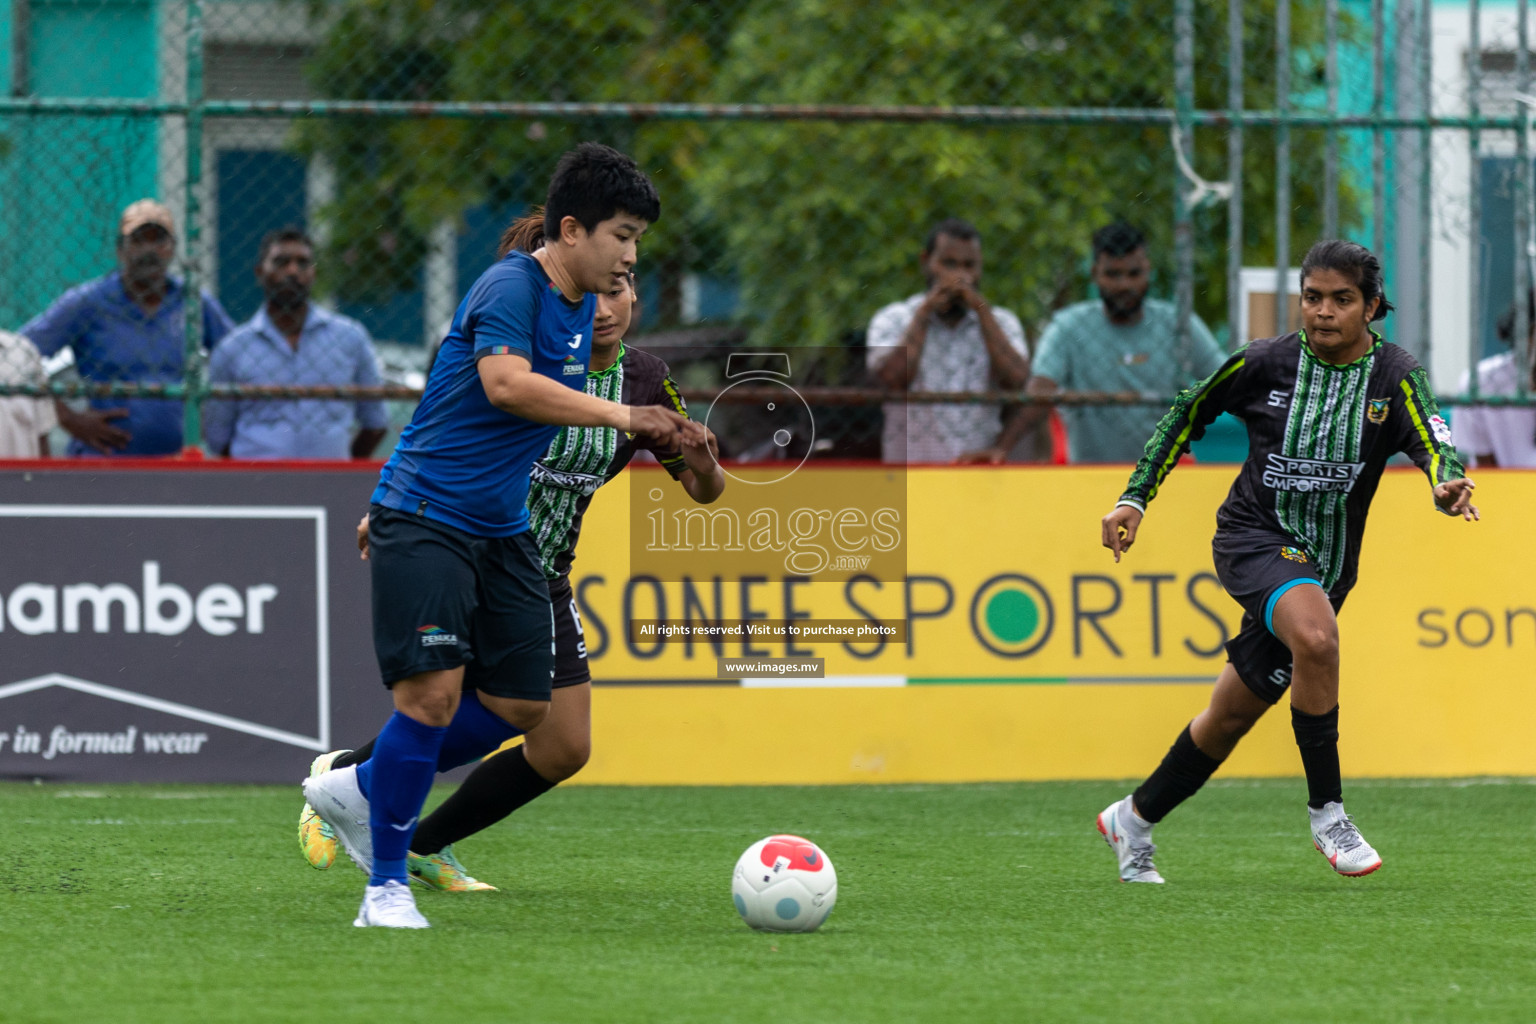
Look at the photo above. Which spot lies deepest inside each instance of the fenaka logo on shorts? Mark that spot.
(573, 366)
(1377, 413)
(431, 636)
(1294, 554)
(1291, 474)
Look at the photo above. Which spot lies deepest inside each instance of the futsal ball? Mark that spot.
(784, 884)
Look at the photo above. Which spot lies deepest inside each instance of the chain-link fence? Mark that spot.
(803, 151)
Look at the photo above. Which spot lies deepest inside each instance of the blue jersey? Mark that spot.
(462, 461)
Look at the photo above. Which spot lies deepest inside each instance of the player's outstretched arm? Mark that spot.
(1118, 529)
(704, 480)
(1454, 497)
(665, 428)
(1427, 441)
(1193, 410)
(512, 386)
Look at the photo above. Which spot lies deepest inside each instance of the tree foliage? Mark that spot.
(398, 178)
(824, 221)
(819, 222)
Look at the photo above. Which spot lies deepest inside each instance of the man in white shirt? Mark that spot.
(24, 420)
(1500, 435)
(948, 338)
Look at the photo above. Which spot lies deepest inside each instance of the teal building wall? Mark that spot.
(64, 178)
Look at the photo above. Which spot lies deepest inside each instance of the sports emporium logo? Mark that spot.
(1012, 615)
(1287, 473)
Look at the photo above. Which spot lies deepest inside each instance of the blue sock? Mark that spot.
(365, 775)
(399, 777)
(473, 733)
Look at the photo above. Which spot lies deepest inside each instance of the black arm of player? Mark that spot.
(702, 477)
(1194, 410)
(696, 463)
(1428, 444)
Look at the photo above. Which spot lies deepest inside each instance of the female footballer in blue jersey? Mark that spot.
(460, 604)
(578, 462)
(1325, 408)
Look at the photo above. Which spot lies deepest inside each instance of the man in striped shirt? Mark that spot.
(1325, 409)
(947, 338)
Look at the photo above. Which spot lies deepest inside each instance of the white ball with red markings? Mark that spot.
(784, 884)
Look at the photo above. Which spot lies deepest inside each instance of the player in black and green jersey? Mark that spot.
(1325, 409)
(578, 462)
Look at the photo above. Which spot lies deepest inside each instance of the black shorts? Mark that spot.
(444, 598)
(1256, 567)
(570, 640)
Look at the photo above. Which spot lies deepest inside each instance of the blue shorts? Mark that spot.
(443, 598)
(1256, 568)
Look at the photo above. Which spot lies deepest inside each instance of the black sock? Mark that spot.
(351, 757)
(1318, 738)
(498, 786)
(1184, 770)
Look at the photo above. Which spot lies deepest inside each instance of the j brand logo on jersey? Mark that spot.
(1285, 474)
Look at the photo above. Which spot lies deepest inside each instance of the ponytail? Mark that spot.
(524, 234)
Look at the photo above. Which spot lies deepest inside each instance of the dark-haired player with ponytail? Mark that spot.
(1325, 407)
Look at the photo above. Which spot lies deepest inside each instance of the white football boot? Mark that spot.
(340, 803)
(390, 905)
(1336, 837)
(1134, 851)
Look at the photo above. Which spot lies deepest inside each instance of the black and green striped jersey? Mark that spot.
(582, 459)
(1319, 437)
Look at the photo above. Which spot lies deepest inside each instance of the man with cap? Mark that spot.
(128, 326)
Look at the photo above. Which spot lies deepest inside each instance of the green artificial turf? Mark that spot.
(956, 903)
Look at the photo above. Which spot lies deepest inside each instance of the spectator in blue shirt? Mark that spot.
(128, 326)
(291, 341)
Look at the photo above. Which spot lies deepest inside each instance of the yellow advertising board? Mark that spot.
(1028, 653)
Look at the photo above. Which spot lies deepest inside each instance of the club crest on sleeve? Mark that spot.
(1377, 412)
(1294, 554)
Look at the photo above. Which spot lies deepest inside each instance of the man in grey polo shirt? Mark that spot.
(1122, 342)
(292, 341)
(948, 338)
